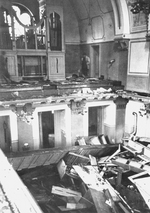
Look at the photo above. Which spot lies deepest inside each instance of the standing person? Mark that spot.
(85, 65)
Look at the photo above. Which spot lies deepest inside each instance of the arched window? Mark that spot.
(26, 32)
(25, 38)
(55, 32)
(5, 35)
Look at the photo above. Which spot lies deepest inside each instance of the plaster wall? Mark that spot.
(107, 52)
(72, 59)
(143, 122)
(60, 128)
(71, 27)
(109, 121)
(77, 126)
(25, 134)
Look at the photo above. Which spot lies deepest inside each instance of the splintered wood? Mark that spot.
(66, 192)
(105, 198)
(74, 203)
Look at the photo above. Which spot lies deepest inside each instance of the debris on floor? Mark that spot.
(114, 183)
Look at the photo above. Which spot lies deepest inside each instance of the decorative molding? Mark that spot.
(24, 112)
(78, 107)
(121, 102)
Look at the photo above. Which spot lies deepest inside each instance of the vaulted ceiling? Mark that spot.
(91, 8)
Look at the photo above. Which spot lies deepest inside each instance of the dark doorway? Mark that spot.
(47, 119)
(96, 120)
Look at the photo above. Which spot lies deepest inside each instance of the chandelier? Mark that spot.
(142, 6)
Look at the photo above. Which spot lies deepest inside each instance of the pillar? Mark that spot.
(120, 118)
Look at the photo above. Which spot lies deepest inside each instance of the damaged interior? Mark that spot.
(74, 106)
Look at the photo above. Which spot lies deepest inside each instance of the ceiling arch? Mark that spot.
(121, 15)
(118, 10)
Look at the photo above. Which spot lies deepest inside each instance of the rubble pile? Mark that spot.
(114, 183)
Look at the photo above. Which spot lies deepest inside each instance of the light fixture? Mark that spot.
(111, 62)
(142, 6)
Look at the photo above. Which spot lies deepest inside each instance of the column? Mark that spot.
(120, 118)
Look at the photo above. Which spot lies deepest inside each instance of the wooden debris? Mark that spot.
(99, 188)
(112, 203)
(66, 192)
(93, 160)
(72, 206)
(114, 154)
(142, 182)
(87, 199)
(80, 156)
(61, 167)
(123, 208)
(95, 141)
(119, 177)
(139, 150)
(76, 206)
(100, 201)
(132, 165)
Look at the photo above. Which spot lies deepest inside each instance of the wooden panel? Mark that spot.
(137, 83)
(56, 66)
(25, 162)
(11, 65)
(99, 151)
(33, 162)
(16, 162)
(55, 158)
(139, 57)
(32, 159)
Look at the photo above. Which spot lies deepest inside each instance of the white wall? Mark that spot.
(143, 122)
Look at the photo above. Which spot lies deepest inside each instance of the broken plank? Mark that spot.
(65, 192)
(79, 156)
(142, 182)
(87, 199)
(112, 203)
(115, 153)
(93, 160)
(89, 176)
(63, 208)
(128, 164)
(76, 206)
(123, 208)
(139, 150)
(61, 167)
(100, 201)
